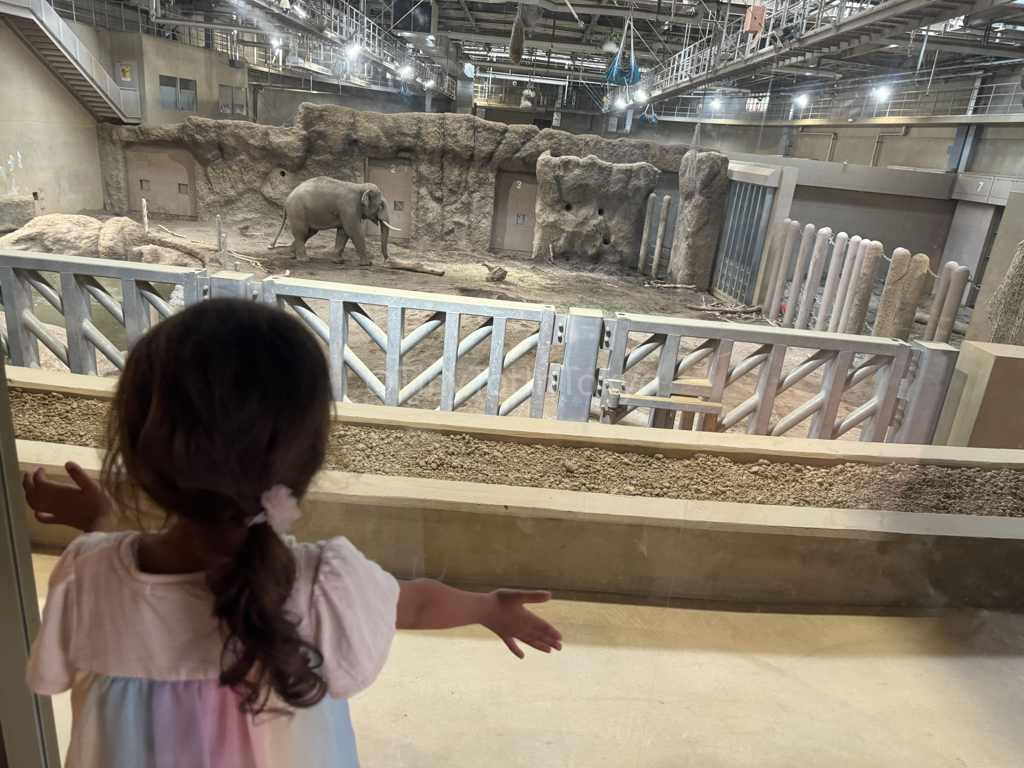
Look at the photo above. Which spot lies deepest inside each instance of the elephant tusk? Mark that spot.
(393, 229)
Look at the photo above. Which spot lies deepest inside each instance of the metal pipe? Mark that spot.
(480, 381)
(437, 367)
(831, 145)
(878, 143)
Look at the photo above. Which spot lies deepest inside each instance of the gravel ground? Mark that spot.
(411, 453)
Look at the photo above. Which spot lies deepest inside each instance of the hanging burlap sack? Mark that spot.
(518, 41)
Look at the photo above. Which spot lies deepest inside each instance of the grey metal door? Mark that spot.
(747, 211)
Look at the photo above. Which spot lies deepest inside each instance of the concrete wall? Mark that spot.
(898, 221)
(278, 106)
(209, 69)
(48, 142)
(1000, 150)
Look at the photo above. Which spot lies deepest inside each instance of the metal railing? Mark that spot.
(700, 400)
(343, 25)
(994, 99)
(342, 315)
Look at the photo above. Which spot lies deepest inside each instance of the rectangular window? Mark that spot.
(520, 218)
(186, 94)
(177, 93)
(144, 185)
(168, 92)
(225, 100)
(183, 189)
(757, 103)
(241, 100)
(399, 206)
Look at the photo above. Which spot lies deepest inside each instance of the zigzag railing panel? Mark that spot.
(698, 362)
(24, 277)
(409, 325)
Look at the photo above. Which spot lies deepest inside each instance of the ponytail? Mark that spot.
(263, 650)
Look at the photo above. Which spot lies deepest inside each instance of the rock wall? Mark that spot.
(247, 170)
(703, 187)
(588, 210)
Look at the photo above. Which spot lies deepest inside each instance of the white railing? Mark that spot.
(401, 348)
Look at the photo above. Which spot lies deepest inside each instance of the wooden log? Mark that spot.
(412, 266)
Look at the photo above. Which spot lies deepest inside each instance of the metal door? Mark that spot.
(515, 204)
(394, 177)
(747, 210)
(165, 178)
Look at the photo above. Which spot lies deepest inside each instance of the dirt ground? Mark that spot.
(537, 282)
(52, 417)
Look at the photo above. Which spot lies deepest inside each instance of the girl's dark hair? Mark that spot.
(217, 404)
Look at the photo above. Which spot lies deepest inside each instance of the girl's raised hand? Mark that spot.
(84, 507)
(510, 620)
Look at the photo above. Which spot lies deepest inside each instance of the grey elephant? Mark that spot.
(326, 203)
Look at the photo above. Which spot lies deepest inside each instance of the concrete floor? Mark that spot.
(644, 687)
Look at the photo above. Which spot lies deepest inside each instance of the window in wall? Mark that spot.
(234, 100)
(168, 92)
(183, 189)
(177, 93)
(225, 99)
(757, 103)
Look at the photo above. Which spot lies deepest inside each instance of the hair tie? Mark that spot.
(280, 509)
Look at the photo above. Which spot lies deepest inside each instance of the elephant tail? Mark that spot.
(283, 220)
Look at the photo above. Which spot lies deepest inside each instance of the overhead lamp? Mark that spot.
(640, 96)
(354, 50)
(429, 84)
(406, 72)
(801, 100)
(621, 103)
(716, 104)
(276, 42)
(881, 93)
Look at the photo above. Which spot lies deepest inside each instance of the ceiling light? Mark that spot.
(716, 104)
(621, 103)
(429, 84)
(406, 73)
(881, 93)
(640, 96)
(354, 50)
(801, 100)
(276, 43)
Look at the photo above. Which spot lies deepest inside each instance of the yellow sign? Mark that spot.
(126, 72)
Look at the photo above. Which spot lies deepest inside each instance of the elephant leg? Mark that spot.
(340, 241)
(359, 241)
(301, 234)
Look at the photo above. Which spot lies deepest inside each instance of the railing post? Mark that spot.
(231, 285)
(17, 300)
(925, 392)
(77, 311)
(578, 379)
(888, 383)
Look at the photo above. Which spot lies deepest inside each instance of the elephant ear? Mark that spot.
(365, 201)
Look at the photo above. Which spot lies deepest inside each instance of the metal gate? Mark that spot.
(748, 208)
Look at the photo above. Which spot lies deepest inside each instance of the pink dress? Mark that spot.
(141, 655)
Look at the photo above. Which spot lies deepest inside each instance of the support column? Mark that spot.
(835, 266)
(862, 251)
(865, 285)
(814, 276)
(666, 205)
(577, 381)
(798, 275)
(648, 220)
(778, 286)
(925, 393)
(903, 322)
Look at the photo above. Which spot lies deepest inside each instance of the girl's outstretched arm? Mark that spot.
(429, 604)
(84, 507)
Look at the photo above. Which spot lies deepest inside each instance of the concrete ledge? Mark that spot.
(645, 548)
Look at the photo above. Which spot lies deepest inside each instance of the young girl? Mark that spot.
(218, 642)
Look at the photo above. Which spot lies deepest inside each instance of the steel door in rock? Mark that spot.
(394, 177)
(165, 178)
(515, 204)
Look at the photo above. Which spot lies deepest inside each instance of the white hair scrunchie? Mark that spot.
(280, 509)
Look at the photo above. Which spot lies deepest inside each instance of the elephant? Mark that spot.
(326, 203)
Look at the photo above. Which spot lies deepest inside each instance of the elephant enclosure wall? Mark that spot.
(245, 170)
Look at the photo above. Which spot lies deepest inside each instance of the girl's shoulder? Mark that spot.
(348, 606)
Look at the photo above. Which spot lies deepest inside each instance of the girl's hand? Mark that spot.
(510, 620)
(85, 507)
